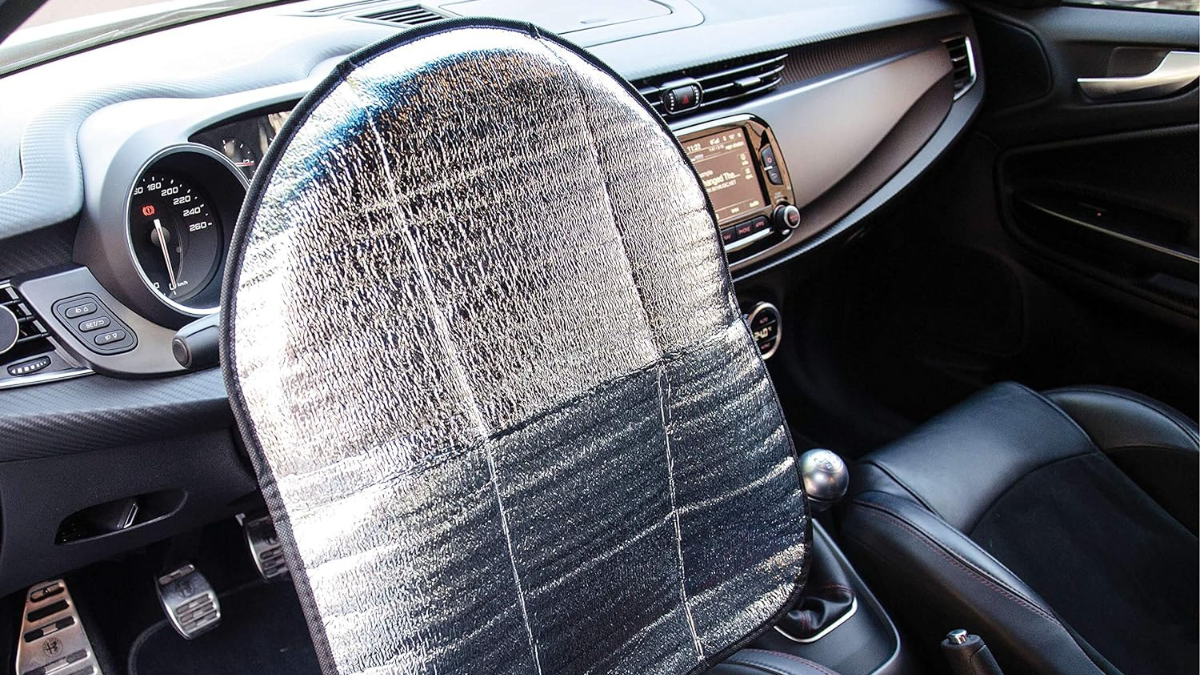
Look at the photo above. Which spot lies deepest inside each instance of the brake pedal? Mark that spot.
(264, 545)
(53, 640)
(189, 601)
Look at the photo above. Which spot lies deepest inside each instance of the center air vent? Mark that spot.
(32, 355)
(31, 338)
(414, 15)
(962, 61)
(712, 85)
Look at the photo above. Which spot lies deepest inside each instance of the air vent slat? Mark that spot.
(773, 63)
(962, 64)
(717, 83)
(405, 16)
(745, 94)
(33, 357)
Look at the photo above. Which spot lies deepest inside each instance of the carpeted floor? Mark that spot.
(262, 632)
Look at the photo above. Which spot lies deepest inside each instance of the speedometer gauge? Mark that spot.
(177, 239)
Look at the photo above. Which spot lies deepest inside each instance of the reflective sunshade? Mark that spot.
(482, 343)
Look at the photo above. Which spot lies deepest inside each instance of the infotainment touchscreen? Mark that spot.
(726, 168)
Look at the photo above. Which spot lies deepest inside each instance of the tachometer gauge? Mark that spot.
(177, 239)
(241, 154)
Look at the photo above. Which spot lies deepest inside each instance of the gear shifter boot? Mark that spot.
(827, 603)
(819, 612)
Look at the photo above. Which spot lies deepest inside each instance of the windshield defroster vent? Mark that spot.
(712, 85)
(414, 15)
(962, 61)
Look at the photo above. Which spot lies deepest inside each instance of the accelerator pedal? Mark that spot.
(264, 545)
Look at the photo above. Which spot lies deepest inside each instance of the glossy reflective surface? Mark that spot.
(504, 409)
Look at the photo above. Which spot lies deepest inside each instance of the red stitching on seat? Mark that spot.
(987, 581)
(815, 666)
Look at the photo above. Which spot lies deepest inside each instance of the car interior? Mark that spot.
(848, 337)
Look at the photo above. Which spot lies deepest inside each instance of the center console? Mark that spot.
(743, 171)
(837, 622)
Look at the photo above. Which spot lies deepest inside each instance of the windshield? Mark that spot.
(62, 27)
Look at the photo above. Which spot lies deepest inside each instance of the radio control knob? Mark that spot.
(785, 217)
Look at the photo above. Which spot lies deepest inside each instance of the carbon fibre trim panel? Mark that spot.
(98, 412)
(525, 452)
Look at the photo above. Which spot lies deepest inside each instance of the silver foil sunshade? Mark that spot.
(482, 343)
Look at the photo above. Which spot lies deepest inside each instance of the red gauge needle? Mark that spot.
(162, 243)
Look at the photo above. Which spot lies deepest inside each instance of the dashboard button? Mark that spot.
(729, 235)
(744, 229)
(97, 323)
(786, 217)
(768, 156)
(761, 223)
(682, 98)
(774, 176)
(82, 309)
(109, 337)
(762, 319)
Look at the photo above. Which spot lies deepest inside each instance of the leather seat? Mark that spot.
(1060, 527)
(760, 661)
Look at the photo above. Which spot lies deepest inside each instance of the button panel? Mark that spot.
(760, 177)
(766, 325)
(744, 230)
(94, 325)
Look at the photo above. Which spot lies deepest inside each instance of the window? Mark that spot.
(1157, 5)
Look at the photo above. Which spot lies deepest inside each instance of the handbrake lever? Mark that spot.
(968, 654)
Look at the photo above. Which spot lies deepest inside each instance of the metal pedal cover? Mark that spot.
(52, 640)
(189, 601)
(264, 545)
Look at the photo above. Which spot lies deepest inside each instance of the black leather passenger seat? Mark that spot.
(1059, 526)
(766, 662)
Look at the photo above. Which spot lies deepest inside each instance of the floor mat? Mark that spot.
(262, 632)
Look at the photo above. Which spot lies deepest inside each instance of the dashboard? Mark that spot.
(120, 188)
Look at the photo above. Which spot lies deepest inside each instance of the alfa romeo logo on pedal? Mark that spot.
(52, 647)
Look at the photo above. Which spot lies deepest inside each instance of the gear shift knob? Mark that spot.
(826, 478)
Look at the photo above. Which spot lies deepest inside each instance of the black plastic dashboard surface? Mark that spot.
(48, 147)
(46, 187)
(96, 412)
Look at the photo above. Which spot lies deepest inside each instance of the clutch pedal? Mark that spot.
(264, 545)
(189, 601)
(53, 640)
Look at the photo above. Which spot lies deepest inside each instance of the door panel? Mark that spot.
(1034, 59)
(1057, 247)
(1099, 173)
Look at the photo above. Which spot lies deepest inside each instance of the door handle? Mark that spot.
(1177, 70)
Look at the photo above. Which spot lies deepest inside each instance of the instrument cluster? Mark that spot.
(179, 220)
(244, 141)
(180, 214)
